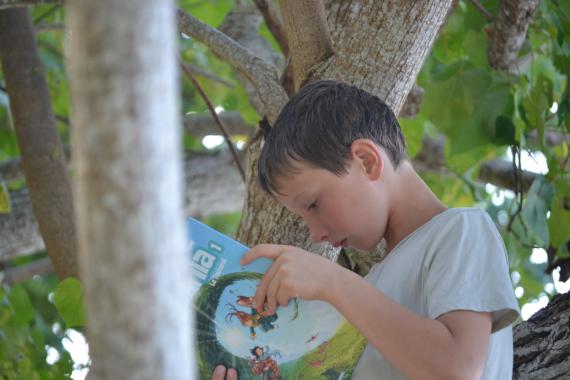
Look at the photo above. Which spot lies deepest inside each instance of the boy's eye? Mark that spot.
(312, 206)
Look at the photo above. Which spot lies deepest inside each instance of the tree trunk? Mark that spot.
(43, 159)
(379, 46)
(542, 343)
(127, 145)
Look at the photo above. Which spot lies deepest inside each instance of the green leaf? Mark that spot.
(464, 103)
(476, 48)
(538, 202)
(209, 12)
(559, 221)
(20, 302)
(504, 131)
(537, 104)
(413, 130)
(69, 302)
(4, 198)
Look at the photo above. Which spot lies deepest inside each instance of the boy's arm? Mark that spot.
(452, 346)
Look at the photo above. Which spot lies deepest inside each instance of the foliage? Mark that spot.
(68, 300)
(482, 112)
(29, 326)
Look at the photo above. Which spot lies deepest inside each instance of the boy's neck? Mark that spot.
(413, 204)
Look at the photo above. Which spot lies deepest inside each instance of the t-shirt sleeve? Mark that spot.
(468, 270)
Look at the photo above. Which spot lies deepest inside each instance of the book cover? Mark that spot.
(305, 340)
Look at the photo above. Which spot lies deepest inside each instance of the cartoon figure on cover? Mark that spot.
(254, 318)
(262, 363)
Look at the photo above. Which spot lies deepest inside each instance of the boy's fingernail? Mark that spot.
(220, 370)
(232, 374)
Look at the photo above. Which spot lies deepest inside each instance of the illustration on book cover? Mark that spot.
(305, 340)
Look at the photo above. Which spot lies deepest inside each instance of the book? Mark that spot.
(305, 340)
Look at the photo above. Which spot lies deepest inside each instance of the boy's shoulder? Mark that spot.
(457, 227)
(462, 220)
(456, 219)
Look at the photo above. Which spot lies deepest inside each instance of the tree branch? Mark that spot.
(26, 271)
(263, 76)
(200, 125)
(209, 75)
(500, 173)
(213, 186)
(308, 35)
(273, 23)
(216, 118)
(43, 158)
(509, 32)
(5, 4)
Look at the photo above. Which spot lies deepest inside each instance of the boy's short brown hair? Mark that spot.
(318, 126)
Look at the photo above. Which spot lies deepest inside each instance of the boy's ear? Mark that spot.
(367, 154)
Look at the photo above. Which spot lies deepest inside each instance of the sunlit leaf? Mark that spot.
(69, 302)
(540, 197)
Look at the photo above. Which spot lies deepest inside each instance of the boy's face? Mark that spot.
(349, 210)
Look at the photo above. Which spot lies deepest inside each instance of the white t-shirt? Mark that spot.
(455, 261)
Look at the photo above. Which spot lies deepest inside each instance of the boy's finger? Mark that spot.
(270, 251)
(232, 374)
(219, 373)
(271, 296)
(261, 292)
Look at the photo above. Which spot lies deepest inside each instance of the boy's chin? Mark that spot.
(371, 246)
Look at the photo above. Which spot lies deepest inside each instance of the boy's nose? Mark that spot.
(317, 234)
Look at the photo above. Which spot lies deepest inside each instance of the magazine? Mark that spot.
(305, 340)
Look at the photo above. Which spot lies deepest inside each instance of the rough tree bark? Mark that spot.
(42, 156)
(126, 135)
(509, 32)
(543, 342)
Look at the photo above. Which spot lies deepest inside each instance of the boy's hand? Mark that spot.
(294, 273)
(220, 373)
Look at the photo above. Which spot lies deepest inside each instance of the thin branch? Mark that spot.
(50, 27)
(262, 75)
(209, 75)
(188, 72)
(23, 272)
(482, 9)
(273, 23)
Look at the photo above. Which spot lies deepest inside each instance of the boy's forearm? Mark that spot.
(420, 347)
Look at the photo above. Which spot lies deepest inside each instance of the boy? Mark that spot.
(440, 305)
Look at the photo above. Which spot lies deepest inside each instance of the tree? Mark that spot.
(489, 85)
(124, 89)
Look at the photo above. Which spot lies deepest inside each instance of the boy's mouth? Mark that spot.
(342, 243)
